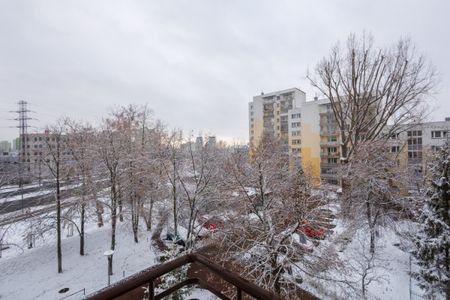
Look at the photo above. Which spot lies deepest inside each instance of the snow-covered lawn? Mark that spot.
(393, 269)
(33, 274)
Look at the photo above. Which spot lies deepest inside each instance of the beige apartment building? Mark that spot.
(311, 135)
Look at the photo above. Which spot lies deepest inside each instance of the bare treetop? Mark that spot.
(374, 91)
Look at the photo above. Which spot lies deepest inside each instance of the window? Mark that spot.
(394, 136)
(296, 116)
(332, 160)
(295, 124)
(414, 133)
(332, 149)
(438, 134)
(296, 133)
(296, 150)
(296, 142)
(435, 148)
(395, 149)
(332, 138)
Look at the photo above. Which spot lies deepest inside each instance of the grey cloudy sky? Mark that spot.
(196, 63)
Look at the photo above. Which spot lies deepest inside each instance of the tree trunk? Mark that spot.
(371, 227)
(120, 204)
(113, 214)
(135, 219)
(58, 220)
(150, 212)
(363, 285)
(82, 219)
(99, 211)
(175, 225)
(275, 274)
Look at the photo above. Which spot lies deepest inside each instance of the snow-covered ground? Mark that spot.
(33, 274)
(393, 265)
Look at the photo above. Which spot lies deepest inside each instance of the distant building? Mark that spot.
(16, 144)
(198, 143)
(5, 146)
(211, 141)
(34, 151)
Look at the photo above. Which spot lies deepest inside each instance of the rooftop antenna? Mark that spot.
(262, 93)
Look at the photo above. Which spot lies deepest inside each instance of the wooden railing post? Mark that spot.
(151, 290)
(238, 293)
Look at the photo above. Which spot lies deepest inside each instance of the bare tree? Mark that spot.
(263, 234)
(79, 142)
(171, 159)
(156, 178)
(198, 180)
(56, 160)
(135, 175)
(367, 264)
(372, 198)
(111, 145)
(373, 92)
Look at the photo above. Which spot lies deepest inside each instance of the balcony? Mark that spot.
(329, 133)
(133, 286)
(329, 176)
(329, 154)
(327, 143)
(328, 165)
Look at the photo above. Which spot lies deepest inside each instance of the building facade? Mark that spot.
(286, 115)
(311, 136)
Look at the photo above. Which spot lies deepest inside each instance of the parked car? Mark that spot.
(311, 230)
(175, 239)
(209, 222)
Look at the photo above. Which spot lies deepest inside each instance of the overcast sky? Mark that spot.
(196, 63)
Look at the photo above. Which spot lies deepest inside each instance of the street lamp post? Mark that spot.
(109, 255)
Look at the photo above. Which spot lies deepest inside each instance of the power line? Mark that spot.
(24, 163)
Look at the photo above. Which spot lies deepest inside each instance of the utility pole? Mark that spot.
(24, 163)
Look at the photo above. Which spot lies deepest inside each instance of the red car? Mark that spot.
(210, 223)
(312, 231)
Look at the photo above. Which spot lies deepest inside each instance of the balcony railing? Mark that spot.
(326, 143)
(147, 278)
